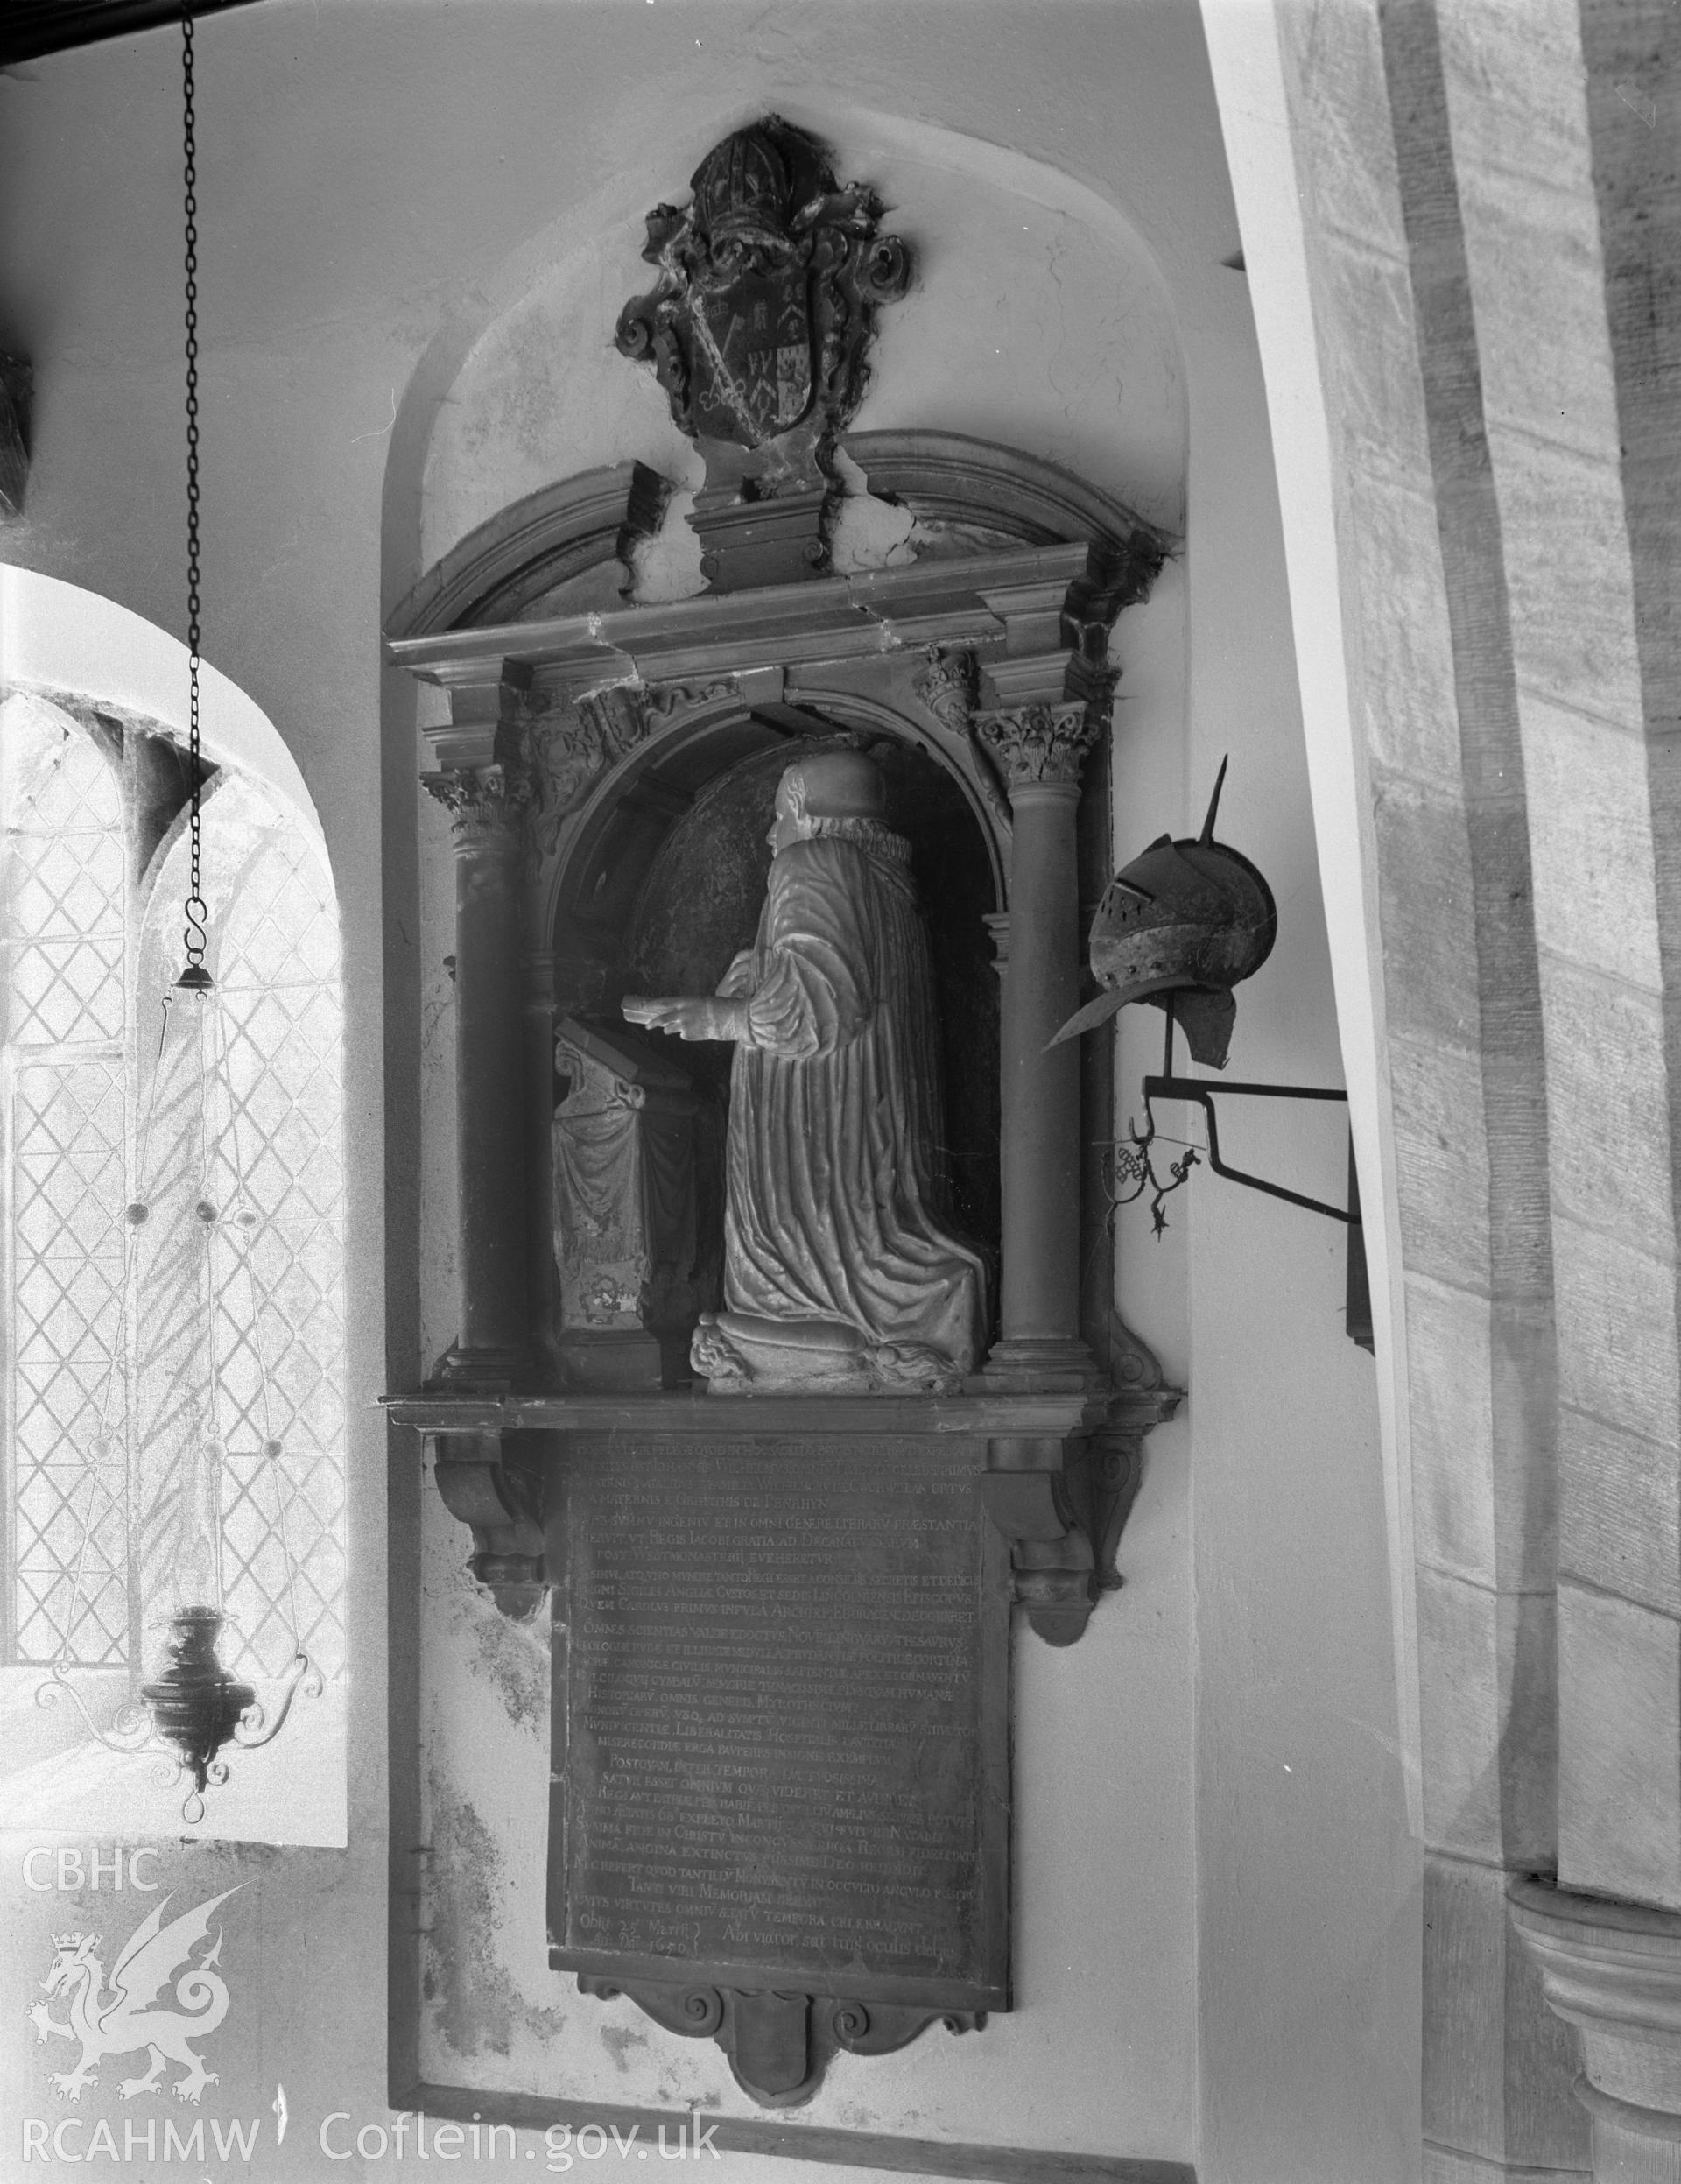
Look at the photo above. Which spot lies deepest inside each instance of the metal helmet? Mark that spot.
(1181, 926)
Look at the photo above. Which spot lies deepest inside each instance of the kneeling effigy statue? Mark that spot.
(838, 1273)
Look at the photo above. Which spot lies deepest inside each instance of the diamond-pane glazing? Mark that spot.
(67, 1390)
(275, 1276)
(278, 1169)
(64, 943)
(63, 890)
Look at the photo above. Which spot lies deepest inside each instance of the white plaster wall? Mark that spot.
(1036, 316)
(381, 182)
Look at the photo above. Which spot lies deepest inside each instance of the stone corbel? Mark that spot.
(1053, 1569)
(779, 2044)
(1062, 1503)
(501, 1502)
(1064, 1524)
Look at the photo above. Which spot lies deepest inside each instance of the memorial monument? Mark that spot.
(778, 1609)
(839, 1272)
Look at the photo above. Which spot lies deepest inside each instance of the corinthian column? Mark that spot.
(1039, 750)
(487, 807)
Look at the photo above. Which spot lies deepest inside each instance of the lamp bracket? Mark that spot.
(1194, 1089)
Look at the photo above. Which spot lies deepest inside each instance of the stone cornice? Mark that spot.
(979, 600)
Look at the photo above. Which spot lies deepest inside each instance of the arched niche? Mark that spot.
(660, 880)
(595, 728)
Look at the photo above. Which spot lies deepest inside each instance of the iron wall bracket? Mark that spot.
(1201, 1094)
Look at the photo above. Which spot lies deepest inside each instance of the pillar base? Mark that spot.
(487, 1372)
(1614, 1971)
(1034, 1364)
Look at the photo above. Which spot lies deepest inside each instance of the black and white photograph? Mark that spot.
(839, 1204)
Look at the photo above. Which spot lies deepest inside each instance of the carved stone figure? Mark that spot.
(623, 1210)
(838, 1273)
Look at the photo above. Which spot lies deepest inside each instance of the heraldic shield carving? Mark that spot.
(768, 280)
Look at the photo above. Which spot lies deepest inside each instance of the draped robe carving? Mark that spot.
(834, 1182)
(840, 1271)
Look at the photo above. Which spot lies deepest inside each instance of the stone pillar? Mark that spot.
(1039, 750)
(486, 805)
(539, 1174)
(1612, 1971)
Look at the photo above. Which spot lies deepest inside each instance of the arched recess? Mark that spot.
(630, 905)
(641, 748)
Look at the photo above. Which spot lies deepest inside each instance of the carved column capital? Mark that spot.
(1040, 746)
(486, 804)
(950, 685)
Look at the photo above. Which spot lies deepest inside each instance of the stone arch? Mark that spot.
(521, 562)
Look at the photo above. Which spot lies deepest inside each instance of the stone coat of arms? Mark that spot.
(767, 282)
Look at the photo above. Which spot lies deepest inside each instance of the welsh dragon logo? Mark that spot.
(129, 2015)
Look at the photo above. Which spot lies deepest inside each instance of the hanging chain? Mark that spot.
(196, 908)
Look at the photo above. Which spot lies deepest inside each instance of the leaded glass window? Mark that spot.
(62, 995)
(124, 1353)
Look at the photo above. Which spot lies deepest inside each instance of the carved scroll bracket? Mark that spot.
(500, 1502)
(779, 2044)
(1062, 1504)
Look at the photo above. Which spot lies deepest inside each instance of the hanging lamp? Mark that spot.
(193, 1709)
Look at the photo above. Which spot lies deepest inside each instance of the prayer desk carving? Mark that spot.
(624, 1214)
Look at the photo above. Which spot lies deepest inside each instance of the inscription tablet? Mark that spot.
(772, 1725)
